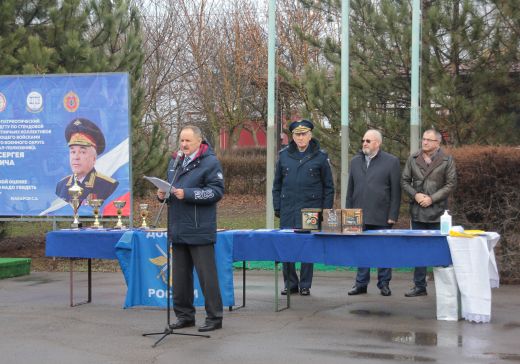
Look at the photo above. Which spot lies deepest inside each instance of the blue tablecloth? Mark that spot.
(388, 248)
(142, 256)
(83, 243)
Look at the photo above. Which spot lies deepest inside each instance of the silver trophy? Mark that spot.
(75, 192)
(119, 206)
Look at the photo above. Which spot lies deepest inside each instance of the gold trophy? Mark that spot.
(75, 192)
(96, 204)
(119, 205)
(143, 211)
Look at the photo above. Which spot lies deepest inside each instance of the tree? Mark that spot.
(229, 50)
(469, 70)
(166, 98)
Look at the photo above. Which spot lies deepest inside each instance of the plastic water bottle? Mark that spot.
(445, 223)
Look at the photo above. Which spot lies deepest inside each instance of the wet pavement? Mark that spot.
(38, 326)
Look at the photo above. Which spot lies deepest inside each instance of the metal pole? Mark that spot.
(415, 112)
(345, 138)
(271, 142)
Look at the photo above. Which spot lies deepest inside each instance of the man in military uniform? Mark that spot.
(86, 142)
(303, 179)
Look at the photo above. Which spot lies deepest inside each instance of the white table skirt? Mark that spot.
(476, 271)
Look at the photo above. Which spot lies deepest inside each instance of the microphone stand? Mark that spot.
(169, 331)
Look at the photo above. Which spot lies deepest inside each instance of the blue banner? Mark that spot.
(143, 259)
(55, 127)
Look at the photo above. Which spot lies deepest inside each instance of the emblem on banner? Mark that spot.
(3, 102)
(71, 101)
(34, 102)
(162, 262)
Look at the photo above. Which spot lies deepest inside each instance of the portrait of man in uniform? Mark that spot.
(86, 142)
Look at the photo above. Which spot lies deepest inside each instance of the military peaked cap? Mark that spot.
(301, 126)
(84, 132)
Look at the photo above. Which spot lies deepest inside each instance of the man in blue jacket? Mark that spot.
(198, 185)
(303, 179)
(374, 186)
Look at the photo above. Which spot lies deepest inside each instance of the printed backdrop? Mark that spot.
(34, 155)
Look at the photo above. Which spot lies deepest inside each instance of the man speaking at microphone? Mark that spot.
(192, 227)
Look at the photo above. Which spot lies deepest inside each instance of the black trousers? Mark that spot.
(185, 257)
(290, 277)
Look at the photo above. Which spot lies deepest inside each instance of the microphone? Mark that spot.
(177, 159)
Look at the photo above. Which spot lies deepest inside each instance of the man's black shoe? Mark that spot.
(385, 291)
(180, 324)
(293, 290)
(210, 326)
(357, 290)
(416, 292)
(305, 292)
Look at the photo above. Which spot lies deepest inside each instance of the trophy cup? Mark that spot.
(96, 204)
(143, 211)
(75, 192)
(119, 205)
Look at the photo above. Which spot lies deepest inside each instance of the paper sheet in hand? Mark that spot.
(159, 183)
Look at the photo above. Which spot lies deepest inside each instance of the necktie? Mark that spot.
(186, 161)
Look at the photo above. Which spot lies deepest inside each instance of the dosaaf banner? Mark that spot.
(57, 130)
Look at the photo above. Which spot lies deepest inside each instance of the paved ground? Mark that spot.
(37, 326)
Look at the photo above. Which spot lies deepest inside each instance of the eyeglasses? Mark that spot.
(365, 141)
(429, 140)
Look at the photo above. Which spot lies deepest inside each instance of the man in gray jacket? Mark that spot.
(373, 186)
(428, 178)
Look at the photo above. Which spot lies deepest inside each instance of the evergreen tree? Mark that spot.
(80, 36)
(469, 71)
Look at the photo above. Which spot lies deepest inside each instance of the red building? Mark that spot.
(251, 135)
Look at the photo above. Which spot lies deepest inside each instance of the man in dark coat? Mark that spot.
(303, 179)
(198, 185)
(86, 142)
(429, 177)
(374, 187)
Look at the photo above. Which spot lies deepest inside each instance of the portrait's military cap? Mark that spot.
(84, 132)
(301, 126)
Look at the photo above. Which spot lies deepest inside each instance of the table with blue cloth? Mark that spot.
(142, 257)
(383, 248)
(375, 248)
(82, 244)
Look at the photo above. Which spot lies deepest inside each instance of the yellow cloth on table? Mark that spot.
(466, 233)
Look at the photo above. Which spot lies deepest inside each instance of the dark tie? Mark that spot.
(186, 161)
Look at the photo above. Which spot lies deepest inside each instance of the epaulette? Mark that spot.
(68, 179)
(106, 178)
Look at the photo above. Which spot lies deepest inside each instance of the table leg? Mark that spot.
(276, 291)
(243, 288)
(89, 283)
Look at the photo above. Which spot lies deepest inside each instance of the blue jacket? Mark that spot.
(305, 183)
(193, 220)
(376, 189)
